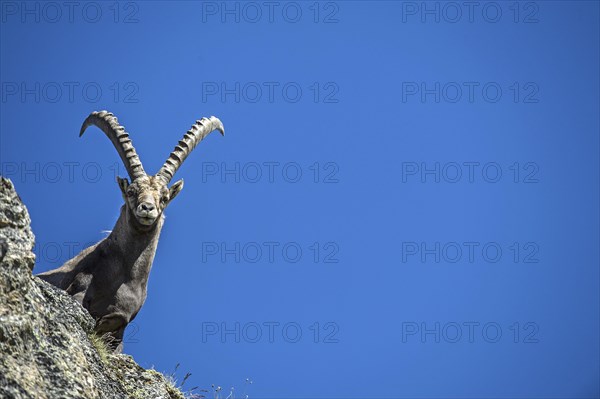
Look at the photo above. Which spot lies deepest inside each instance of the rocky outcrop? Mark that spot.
(47, 345)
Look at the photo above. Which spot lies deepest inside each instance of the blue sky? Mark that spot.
(405, 203)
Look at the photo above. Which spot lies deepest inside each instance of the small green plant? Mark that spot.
(172, 381)
(218, 394)
(100, 342)
(172, 388)
(216, 391)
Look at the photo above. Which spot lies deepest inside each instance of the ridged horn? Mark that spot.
(109, 124)
(190, 140)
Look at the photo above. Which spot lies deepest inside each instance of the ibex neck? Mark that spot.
(135, 242)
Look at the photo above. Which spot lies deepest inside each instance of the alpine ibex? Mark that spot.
(110, 278)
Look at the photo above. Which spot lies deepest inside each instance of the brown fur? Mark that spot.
(110, 278)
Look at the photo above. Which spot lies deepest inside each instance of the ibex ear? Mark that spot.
(175, 189)
(123, 184)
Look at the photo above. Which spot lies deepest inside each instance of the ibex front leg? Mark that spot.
(112, 328)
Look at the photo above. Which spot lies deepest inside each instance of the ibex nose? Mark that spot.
(146, 206)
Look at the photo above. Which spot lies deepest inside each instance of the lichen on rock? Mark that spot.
(47, 344)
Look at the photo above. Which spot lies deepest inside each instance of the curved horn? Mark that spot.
(190, 140)
(109, 124)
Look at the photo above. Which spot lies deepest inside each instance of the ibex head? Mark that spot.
(146, 197)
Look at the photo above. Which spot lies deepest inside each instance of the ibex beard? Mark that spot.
(110, 278)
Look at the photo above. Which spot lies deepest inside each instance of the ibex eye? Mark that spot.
(130, 193)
